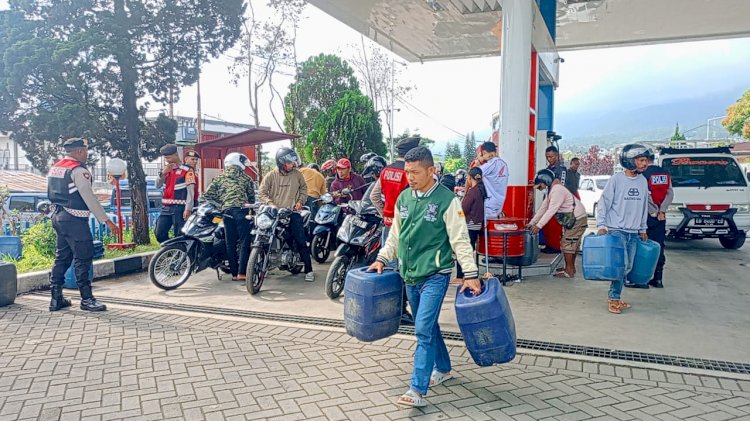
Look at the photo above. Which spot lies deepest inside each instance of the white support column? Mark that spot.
(515, 57)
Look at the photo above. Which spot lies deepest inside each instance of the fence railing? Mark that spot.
(98, 231)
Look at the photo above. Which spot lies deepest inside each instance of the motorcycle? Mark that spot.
(273, 246)
(327, 221)
(203, 245)
(359, 235)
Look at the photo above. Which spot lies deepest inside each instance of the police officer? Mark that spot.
(69, 189)
(192, 159)
(390, 184)
(232, 189)
(660, 197)
(177, 201)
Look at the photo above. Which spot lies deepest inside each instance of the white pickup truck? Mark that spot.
(711, 195)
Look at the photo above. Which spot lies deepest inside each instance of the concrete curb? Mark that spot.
(33, 281)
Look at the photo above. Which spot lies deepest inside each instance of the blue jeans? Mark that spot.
(425, 299)
(631, 243)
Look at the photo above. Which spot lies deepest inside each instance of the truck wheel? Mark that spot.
(733, 243)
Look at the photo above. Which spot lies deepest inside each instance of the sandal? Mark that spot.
(563, 274)
(437, 377)
(412, 399)
(624, 305)
(614, 306)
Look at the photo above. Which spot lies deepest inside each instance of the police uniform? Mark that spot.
(69, 188)
(194, 154)
(178, 196)
(660, 197)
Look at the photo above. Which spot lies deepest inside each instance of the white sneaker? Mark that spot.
(310, 277)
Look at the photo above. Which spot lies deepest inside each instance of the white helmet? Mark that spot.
(238, 159)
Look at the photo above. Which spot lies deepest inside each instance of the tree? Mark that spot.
(320, 82)
(677, 136)
(453, 151)
(265, 45)
(470, 148)
(348, 129)
(737, 121)
(380, 78)
(594, 162)
(453, 164)
(83, 68)
(424, 141)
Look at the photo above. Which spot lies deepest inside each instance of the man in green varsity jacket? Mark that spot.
(428, 227)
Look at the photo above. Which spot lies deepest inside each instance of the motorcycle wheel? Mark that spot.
(162, 272)
(255, 273)
(318, 249)
(336, 277)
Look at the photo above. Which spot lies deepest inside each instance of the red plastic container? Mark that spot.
(496, 241)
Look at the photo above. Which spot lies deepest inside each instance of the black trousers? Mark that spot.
(237, 230)
(170, 216)
(74, 244)
(300, 239)
(657, 231)
(473, 237)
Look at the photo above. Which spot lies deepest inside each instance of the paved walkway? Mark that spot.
(132, 364)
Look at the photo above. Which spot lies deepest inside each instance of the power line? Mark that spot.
(415, 108)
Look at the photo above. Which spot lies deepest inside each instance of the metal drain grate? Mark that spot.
(686, 362)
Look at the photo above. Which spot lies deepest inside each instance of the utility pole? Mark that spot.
(393, 95)
(199, 120)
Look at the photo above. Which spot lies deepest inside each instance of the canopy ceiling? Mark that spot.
(420, 30)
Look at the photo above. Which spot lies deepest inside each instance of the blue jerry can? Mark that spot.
(372, 304)
(486, 324)
(603, 257)
(646, 258)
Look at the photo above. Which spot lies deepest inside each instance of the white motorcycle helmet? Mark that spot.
(237, 159)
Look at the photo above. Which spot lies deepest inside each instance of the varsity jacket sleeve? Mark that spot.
(376, 197)
(82, 179)
(388, 252)
(458, 236)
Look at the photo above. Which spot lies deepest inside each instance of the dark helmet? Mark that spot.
(287, 155)
(366, 157)
(631, 152)
(373, 167)
(544, 176)
(314, 166)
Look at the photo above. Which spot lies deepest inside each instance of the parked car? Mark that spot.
(154, 198)
(711, 195)
(590, 190)
(24, 202)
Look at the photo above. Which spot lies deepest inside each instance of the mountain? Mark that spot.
(653, 122)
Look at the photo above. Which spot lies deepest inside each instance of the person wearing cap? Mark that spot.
(347, 179)
(192, 159)
(69, 188)
(560, 204)
(178, 199)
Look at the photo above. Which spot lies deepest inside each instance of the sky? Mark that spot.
(455, 97)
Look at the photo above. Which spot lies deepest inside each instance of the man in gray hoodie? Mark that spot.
(495, 177)
(623, 212)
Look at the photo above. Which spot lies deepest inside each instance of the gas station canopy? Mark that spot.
(422, 30)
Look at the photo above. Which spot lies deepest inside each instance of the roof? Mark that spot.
(742, 148)
(421, 30)
(21, 181)
(249, 137)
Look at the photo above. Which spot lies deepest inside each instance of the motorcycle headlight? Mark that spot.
(675, 207)
(263, 221)
(744, 208)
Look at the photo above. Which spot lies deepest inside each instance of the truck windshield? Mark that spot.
(706, 171)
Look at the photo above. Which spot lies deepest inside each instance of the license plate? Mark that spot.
(359, 223)
(709, 221)
(216, 220)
